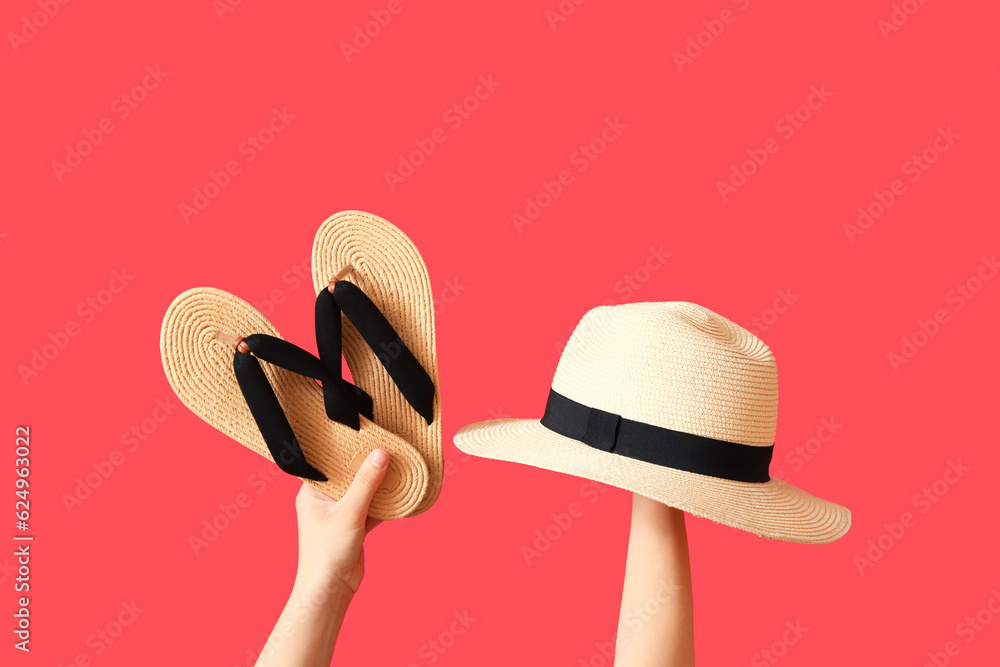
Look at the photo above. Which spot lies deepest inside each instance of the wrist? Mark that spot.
(315, 597)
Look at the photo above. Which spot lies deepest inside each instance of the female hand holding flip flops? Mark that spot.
(331, 567)
(366, 451)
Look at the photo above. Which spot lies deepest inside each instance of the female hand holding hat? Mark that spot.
(656, 623)
(678, 405)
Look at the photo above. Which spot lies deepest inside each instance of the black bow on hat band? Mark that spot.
(654, 444)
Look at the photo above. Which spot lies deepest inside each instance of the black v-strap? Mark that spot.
(342, 400)
(413, 381)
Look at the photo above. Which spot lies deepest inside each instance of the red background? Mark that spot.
(508, 300)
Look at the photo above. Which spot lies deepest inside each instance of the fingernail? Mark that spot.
(379, 458)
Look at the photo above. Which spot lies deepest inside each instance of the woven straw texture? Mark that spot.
(680, 366)
(200, 370)
(390, 270)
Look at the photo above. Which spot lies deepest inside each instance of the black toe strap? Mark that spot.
(341, 399)
(271, 419)
(413, 381)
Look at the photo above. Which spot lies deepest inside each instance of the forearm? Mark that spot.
(656, 624)
(306, 632)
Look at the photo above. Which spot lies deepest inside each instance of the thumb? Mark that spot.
(366, 482)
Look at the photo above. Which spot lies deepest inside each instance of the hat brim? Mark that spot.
(775, 509)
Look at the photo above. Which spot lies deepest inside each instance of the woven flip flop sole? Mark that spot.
(200, 370)
(389, 269)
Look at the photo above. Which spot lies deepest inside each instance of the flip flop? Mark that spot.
(366, 258)
(211, 344)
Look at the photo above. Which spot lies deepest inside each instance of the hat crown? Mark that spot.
(676, 365)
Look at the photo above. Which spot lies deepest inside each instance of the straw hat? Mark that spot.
(673, 402)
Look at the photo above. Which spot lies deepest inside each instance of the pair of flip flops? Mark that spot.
(376, 307)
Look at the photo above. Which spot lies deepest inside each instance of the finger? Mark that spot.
(366, 481)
